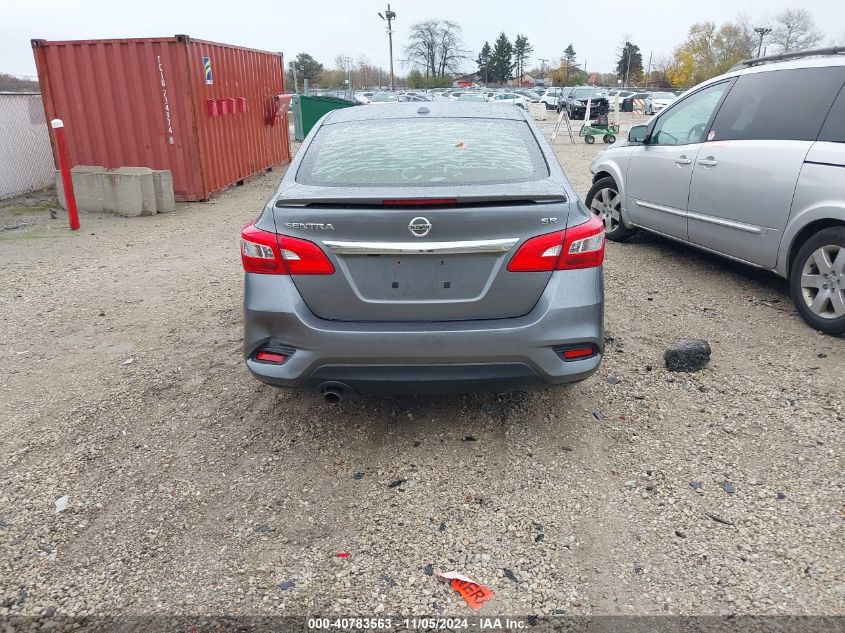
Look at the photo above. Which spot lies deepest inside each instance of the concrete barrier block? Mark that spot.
(146, 184)
(128, 191)
(165, 199)
(87, 187)
(537, 111)
(123, 194)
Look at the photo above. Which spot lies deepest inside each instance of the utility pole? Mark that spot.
(389, 16)
(543, 61)
(762, 32)
(348, 61)
(293, 69)
(648, 69)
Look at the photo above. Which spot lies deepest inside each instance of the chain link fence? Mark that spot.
(26, 159)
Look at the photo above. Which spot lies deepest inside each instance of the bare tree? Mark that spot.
(435, 47)
(794, 30)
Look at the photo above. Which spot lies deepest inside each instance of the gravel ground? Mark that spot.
(195, 489)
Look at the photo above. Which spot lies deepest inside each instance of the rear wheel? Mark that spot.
(817, 281)
(589, 140)
(604, 200)
(609, 139)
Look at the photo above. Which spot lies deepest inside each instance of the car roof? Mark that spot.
(436, 109)
(822, 61)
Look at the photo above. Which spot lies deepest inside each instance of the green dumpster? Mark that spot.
(308, 110)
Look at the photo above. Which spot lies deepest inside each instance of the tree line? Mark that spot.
(435, 54)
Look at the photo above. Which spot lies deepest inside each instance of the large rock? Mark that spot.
(687, 355)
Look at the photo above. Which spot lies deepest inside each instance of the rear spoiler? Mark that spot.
(405, 203)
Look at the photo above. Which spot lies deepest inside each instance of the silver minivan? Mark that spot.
(749, 165)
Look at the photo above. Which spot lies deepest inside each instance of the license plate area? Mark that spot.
(420, 278)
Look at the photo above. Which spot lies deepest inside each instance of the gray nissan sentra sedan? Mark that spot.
(423, 249)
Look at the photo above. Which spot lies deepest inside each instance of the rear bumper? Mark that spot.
(426, 357)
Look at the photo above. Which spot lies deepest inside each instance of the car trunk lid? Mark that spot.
(436, 256)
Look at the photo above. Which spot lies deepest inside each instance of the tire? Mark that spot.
(599, 204)
(589, 140)
(817, 281)
(609, 139)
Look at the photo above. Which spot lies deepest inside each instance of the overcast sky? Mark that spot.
(328, 27)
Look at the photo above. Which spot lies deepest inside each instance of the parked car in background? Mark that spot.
(576, 102)
(725, 171)
(621, 94)
(412, 98)
(659, 100)
(550, 97)
(532, 96)
(628, 102)
(394, 259)
(510, 98)
(472, 96)
(384, 97)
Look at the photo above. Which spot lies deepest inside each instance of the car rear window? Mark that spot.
(420, 152)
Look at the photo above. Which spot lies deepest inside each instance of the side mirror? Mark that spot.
(638, 134)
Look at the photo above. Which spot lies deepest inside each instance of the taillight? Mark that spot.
(260, 251)
(580, 246)
(538, 254)
(273, 254)
(304, 258)
(583, 246)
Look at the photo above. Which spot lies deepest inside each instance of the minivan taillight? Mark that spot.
(273, 254)
(580, 246)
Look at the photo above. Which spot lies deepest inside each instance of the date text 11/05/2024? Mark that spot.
(422, 623)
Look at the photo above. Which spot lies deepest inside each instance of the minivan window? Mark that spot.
(423, 151)
(686, 121)
(778, 104)
(834, 127)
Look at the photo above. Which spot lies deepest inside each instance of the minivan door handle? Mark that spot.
(683, 160)
(708, 162)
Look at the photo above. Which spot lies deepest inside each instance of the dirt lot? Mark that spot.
(194, 489)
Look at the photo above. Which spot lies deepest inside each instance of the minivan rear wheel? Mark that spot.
(604, 200)
(817, 281)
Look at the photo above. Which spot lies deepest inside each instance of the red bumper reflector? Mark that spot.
(574, 353)
(270, 357)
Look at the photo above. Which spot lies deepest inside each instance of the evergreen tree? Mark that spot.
(501, 60)
(568, 60)
(630, 63)
(521, 53)
(483, 62)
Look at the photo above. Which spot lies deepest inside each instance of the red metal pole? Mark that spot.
(64, 165)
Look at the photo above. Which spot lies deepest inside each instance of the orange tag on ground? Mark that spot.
(475, 594)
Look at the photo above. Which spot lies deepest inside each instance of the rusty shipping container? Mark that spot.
(208, 112)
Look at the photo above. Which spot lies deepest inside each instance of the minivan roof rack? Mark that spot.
(832, 50)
